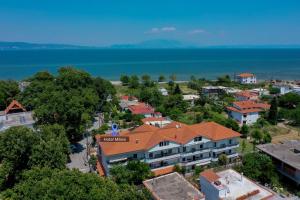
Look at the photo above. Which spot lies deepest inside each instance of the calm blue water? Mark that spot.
(110, 64)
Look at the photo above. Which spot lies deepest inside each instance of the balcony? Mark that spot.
(194, 152)
(225, 147)
(202, 161)
(162, 157)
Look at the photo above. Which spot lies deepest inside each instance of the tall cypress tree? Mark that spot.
(273, 112)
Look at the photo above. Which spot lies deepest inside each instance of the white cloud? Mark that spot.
(168, 29)
(197, 31)
(162, 29)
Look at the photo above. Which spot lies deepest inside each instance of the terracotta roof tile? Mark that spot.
(245, 75)
(210, 175)
(14, 105)
(141, 108)
(151, 119)
(163, 171)
(100, 169)
(147, 136)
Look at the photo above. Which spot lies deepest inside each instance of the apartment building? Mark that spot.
(246, 78)
(175, 143)
(246, 112)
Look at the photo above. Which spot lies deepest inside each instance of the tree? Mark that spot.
(230, 123)
(45, 183)
(161, 78)
(8, 92)
(69, 99)
(245, 131)
(198, 170)
(267, 138)
(52, 148)
(93, 161)
(135, 172)
(146, 80)
(259, 167)
(257, 136)
(134, 82)
(15, 149)
(274, 90)
(21, 149)
(273, 112)
(177, 90)
(289, 100)
(223, 159)
(173, 77)
(124, 79)
(224, 80)
(243, 146)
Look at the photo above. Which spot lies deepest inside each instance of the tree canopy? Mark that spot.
(22, 148)
(45, 183)
(69, 99)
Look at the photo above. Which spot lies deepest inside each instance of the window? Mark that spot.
(197, 139)
(135, 155)
(201, 146)
(230, 141)
(150, 155)
(164, 143)
(184, 149)
(215, 144)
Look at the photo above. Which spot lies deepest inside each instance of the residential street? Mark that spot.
(79, 158)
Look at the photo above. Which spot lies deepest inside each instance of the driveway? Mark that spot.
(78, 159)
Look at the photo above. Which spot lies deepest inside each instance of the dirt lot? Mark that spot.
(291, 134)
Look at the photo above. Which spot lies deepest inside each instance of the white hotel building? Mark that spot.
(176, 143)
(246, 78)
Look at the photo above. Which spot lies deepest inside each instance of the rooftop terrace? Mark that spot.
(172, 186)
(287, 152)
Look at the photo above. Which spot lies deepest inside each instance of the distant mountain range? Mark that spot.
(32, 46)
(149, 44)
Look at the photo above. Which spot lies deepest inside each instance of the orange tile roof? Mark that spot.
(244, 111)
(210, 175)
(100, 169)
(146, 136)
(247, 94)
(128, 98)
(248, 107)
(141, 108)
(163, 171)
(245, 75)
(13, 106)
(151, 119)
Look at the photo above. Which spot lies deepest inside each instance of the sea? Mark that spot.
(111, 63)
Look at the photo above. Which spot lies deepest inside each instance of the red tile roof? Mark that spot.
(14, 105)
(247, 94)
(146, 136)
(248, 107)
(210, 175)
(245, 75)
(153, 119)
(141, 108)
(163, 171)
(100, 169)
(128, 98)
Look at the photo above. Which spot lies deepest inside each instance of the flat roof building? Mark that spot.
(286, 157)
(229, 184)
(172, 187)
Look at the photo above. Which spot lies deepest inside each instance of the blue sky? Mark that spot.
(105, 22)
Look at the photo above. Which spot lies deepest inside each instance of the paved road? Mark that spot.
(79, 159)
